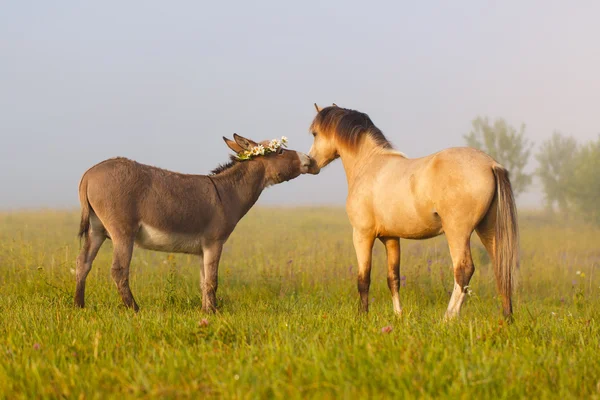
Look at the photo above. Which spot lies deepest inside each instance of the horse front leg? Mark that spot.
(363, 246)
(212, 255)
(392, 249)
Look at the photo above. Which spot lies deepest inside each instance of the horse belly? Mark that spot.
(410, 225)
(151, 238)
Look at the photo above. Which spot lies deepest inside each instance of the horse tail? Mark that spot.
(84, 224)
(506, 254)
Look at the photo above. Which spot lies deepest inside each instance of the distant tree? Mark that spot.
(507, 146)
(584, 190)
(556, 159)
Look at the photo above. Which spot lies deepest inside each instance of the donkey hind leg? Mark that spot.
(122, 251)
(92, 242)
(363, 245)
(392, 248)
(460, 251)
(210, 283)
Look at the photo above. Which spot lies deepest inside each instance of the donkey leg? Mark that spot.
(122, 251)
(392, 248)
(212, 255)
(460, 251)
(202, 278)
(92, 243)
(363, 246)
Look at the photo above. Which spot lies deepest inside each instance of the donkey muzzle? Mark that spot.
(308, 164)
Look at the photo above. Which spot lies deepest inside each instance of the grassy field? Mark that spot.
(288, 325)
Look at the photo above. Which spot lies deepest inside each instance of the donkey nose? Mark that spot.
(309, 165)
(306, 161)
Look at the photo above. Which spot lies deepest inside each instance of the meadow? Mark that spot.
(288, 325)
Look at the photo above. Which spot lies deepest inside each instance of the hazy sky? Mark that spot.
(162, 82)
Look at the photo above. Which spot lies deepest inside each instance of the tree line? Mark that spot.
(567, 170)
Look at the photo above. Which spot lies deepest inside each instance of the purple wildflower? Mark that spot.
(386, 329)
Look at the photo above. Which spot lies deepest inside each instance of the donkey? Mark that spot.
(136, 204)
(455, 191)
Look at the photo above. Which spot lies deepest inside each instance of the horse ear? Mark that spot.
(244, 143)
(232, 145)
(318, 108)
(334, 105)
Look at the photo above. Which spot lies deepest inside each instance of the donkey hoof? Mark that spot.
(209, 307)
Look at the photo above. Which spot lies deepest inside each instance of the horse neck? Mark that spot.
(240, 187)
(356, 158)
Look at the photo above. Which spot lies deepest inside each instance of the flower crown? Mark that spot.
(260, 150)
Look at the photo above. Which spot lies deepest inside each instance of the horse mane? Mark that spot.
(348, 126)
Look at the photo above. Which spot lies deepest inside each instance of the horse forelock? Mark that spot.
(349, 127)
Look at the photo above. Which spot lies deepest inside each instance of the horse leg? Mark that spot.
(460, 251)
(122, 251)
(392, 249)
(212, 255)
(363, 246)
(92, 242)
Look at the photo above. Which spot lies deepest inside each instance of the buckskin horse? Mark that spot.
(390, 196)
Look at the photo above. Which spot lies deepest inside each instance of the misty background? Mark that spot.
(162, 82)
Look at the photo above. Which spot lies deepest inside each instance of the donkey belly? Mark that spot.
(155, 239)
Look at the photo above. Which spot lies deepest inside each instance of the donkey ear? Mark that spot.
(244, 143)
(232, 145)
(318, 108)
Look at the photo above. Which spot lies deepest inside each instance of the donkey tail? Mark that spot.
(84, 224)
(506, 252)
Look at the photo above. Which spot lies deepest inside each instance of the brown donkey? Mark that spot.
(455, 191)
(156, 209)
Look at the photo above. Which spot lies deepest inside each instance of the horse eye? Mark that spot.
(314, 133)
(280, 151)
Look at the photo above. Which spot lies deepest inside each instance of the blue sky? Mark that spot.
(162, 82)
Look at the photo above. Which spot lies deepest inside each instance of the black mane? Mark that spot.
(350, 126)
(224, 167)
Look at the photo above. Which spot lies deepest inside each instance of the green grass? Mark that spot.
(288, 325)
